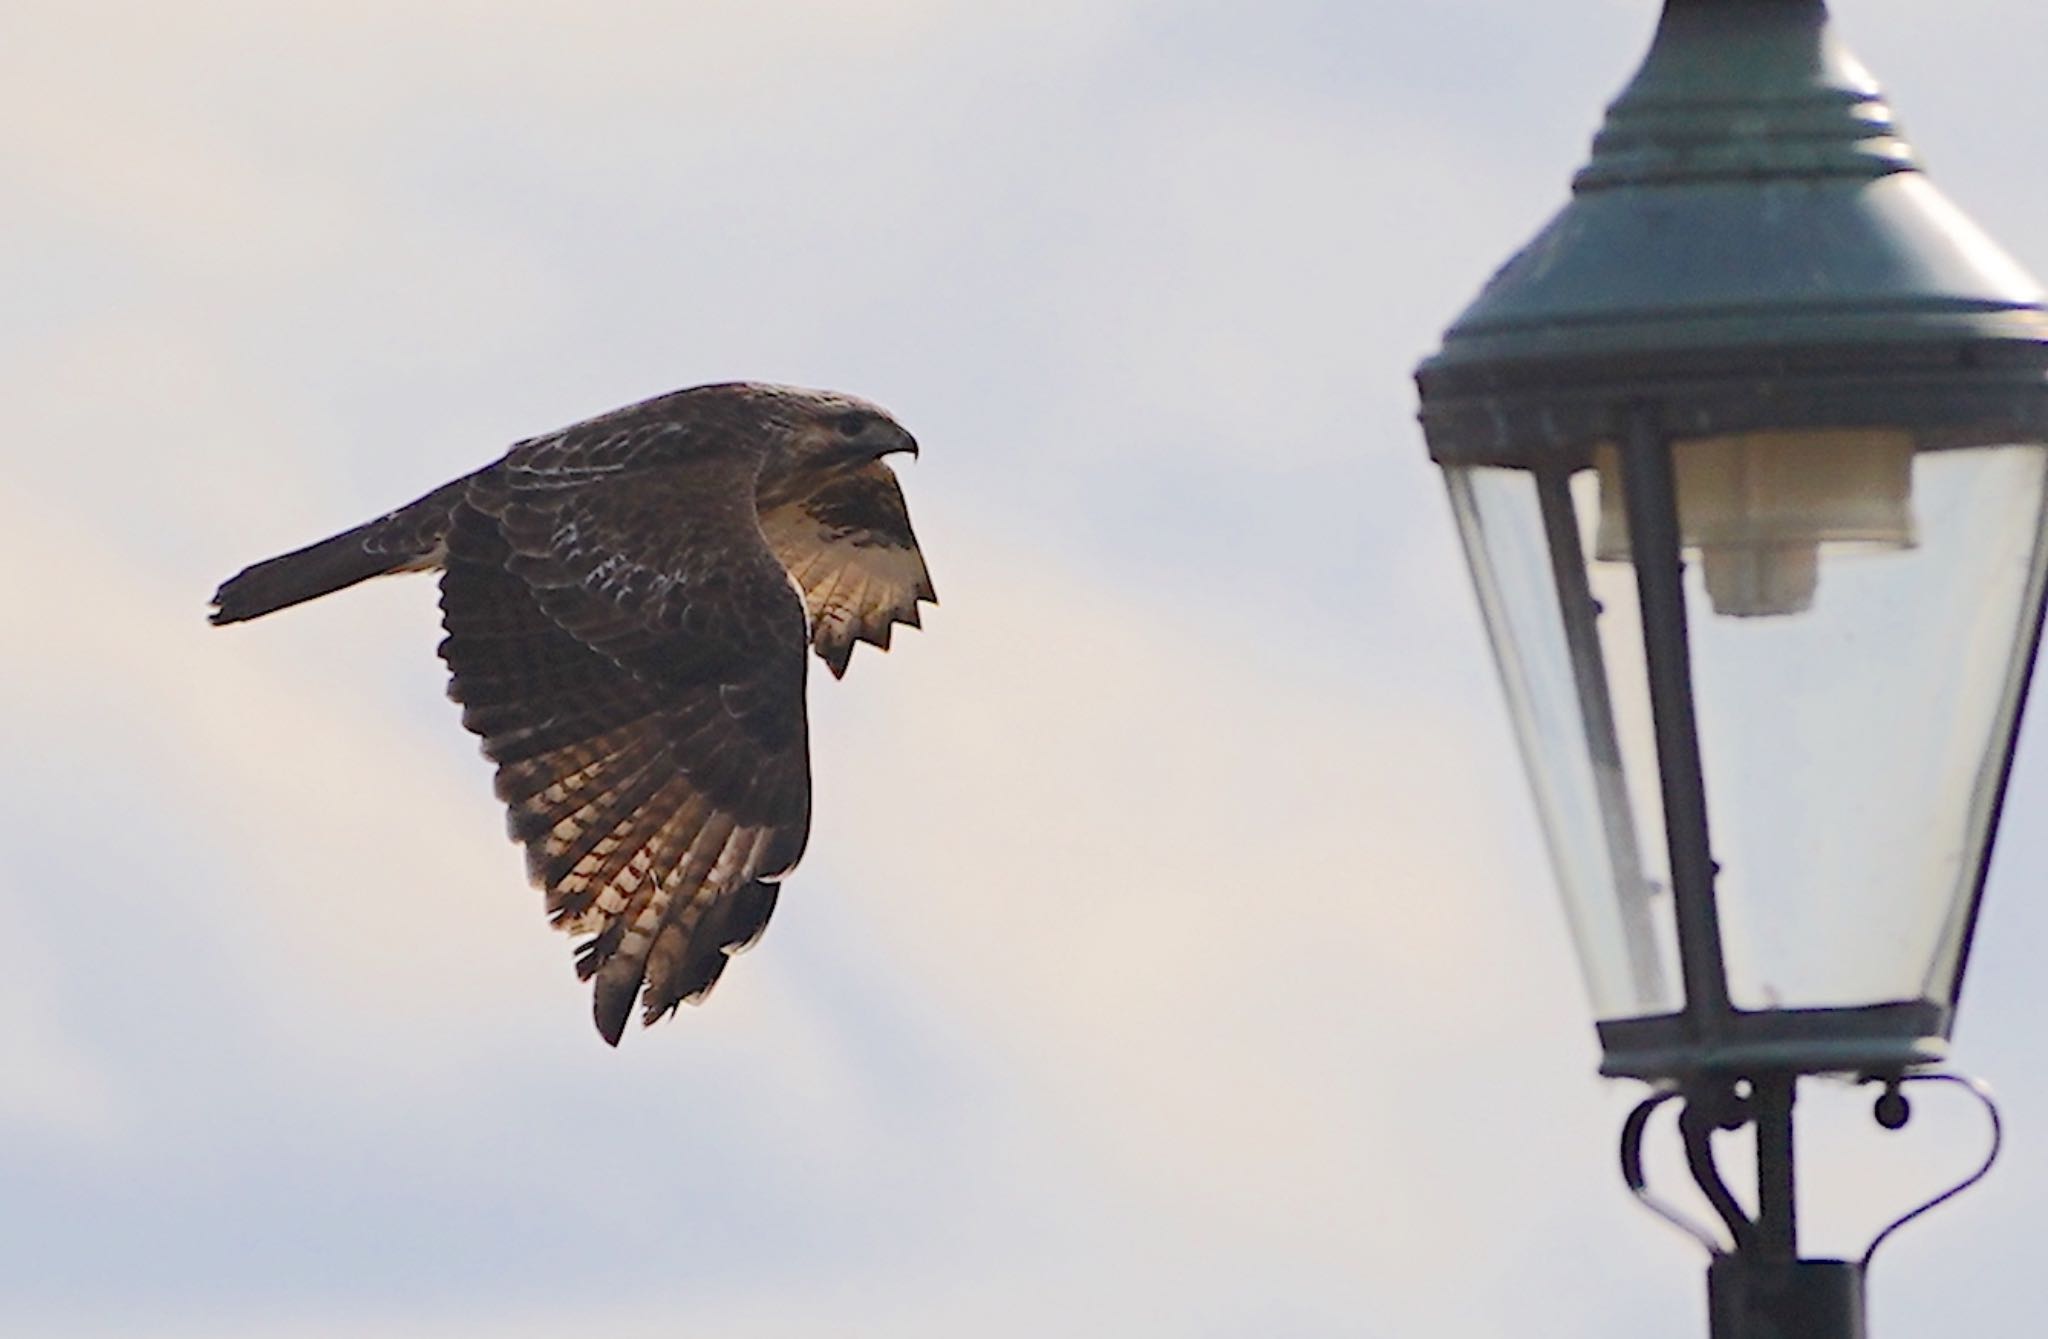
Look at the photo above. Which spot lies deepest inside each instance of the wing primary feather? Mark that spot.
(619, 974)
(740, 919)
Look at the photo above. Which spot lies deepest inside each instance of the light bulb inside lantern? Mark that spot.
(1757, 508)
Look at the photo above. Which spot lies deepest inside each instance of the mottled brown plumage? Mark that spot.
(627, 637)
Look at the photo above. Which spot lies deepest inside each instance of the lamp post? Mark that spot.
(1748, 448)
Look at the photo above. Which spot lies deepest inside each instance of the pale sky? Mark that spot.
(1175, 953)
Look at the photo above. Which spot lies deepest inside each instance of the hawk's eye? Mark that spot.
(853, 424)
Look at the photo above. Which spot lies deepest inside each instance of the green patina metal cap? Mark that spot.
(1753, 245)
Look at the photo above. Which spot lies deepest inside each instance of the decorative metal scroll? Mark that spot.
(1720, 1106)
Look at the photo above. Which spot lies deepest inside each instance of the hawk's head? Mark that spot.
(825, 431)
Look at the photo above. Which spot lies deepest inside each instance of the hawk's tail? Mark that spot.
(410, 539)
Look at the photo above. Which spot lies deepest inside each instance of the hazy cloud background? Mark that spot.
(1174, 953)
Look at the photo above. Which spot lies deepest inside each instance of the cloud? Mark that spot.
(56, 1088)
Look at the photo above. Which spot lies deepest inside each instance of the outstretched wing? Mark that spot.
(847, 541)
(633, 658)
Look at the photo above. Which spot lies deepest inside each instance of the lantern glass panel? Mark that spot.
(1860, 617)
(1596, 793)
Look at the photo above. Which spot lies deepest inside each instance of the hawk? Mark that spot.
(628, 604)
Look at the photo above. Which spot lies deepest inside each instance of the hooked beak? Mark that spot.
(904, 442)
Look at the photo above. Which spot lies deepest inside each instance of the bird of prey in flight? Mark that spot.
(627, 603)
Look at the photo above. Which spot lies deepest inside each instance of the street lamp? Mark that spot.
(1748, 448)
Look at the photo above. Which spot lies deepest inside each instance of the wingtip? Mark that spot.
(609, 1010)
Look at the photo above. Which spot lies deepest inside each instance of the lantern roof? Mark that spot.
(1753, 244)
